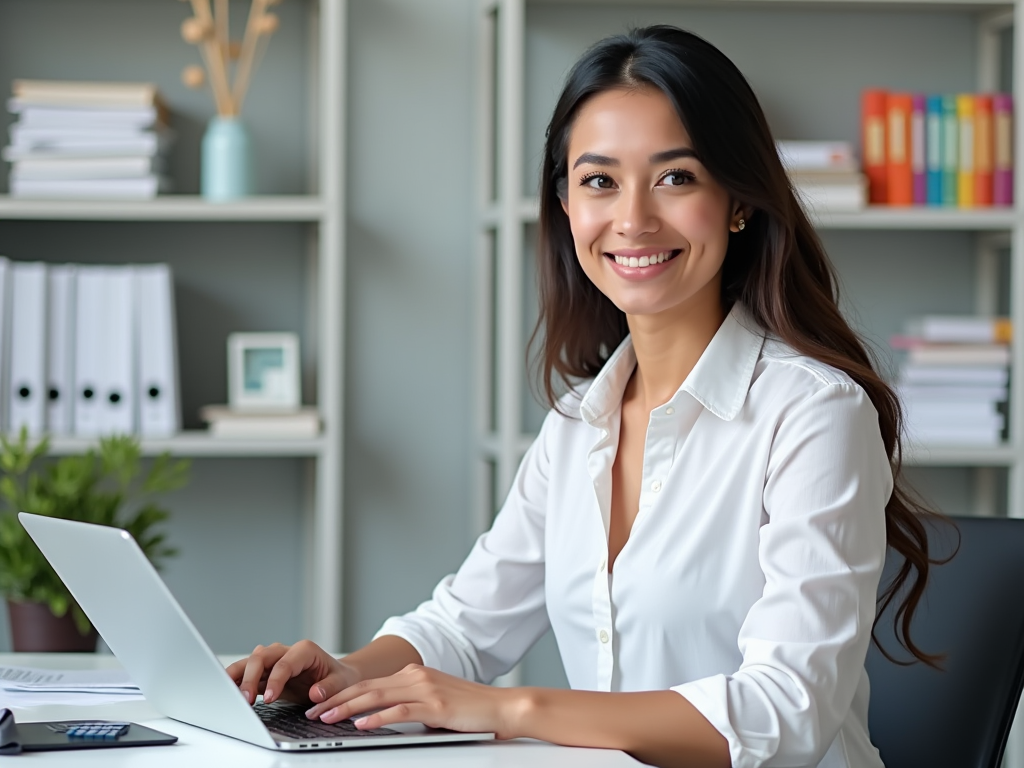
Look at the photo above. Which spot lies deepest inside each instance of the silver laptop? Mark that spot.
(124, 597)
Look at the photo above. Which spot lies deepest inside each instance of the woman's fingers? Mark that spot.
(256, 666)
(360, 691)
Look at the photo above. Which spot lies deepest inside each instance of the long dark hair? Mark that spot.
(777, 266)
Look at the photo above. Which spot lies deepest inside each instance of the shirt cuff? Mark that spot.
(710, 697)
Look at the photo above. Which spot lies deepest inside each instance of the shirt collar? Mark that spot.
(719, 381)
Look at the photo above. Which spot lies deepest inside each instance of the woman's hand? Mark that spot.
(302, 673)
(423, 695)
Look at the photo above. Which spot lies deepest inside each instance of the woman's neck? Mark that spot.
(668, 346)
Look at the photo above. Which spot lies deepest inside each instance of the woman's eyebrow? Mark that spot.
(672, 154)
(593, 159)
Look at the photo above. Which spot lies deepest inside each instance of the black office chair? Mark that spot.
(973, 611)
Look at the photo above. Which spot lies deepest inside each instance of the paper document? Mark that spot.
(30, 680)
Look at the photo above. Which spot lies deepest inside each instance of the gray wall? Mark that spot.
(411, 209)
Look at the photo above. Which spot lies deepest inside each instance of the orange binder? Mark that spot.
(873, 137)
(899, 107)
(965, 169)
(984, 150)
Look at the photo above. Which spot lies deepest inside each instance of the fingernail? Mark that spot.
(268, 695)
(248, 696)
(321, 692)
(329, 713)
(360, 722)
(310, 712)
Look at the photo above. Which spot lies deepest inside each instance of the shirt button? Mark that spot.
(603, 636)
(669, 411)
(656, 486)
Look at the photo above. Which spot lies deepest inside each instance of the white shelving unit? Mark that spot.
(505, 212)
(321, 213)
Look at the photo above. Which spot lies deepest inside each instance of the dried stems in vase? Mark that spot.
(209, 30)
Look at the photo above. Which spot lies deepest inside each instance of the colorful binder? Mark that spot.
(933, 150)
(917, 149)
(873, 118)
(965, 158)
(1002, 173)
(899, 107)
(983, 151)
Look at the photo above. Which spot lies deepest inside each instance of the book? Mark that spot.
(1002, 129)
(143, 144)
(963, 329)
(917, 149)
(950, 150)
(85, 93)
(933, 150)
(837, 191)
(984, 159)
(969, 375)
(959, 354)
(74, 168)
(873, 122)
(965, 156)
(34, 116)
(958, 392)
(224, 422)
(817, 155)
(142, 188)
(899, 172)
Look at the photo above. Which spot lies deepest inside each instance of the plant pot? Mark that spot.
(35, 629)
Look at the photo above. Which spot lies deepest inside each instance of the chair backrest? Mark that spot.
(973, 611)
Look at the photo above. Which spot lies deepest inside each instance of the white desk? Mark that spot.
(197, 748)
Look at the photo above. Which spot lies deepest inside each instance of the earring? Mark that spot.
(741, 224)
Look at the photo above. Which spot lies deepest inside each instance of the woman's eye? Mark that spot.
(677, 178)
(598, 181)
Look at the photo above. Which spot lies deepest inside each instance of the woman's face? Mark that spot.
(651, 226)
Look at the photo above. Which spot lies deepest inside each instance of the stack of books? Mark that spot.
(88, 350)
(241, 424)
(87, 140)
(954, 382)
(953, 150)
(824, 174)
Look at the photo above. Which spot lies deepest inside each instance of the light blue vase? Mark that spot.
(226, 160)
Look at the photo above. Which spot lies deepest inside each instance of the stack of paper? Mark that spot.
(824, 174)
(29, 687)
(954, 382)
(92, 349)
(79, 139)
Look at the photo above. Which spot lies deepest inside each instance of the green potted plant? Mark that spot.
(105, 485)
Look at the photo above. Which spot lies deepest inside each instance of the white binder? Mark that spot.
(5, 332)
(90, 355)
(27, 383)
(159, 404)
(60, 357)
(117, 382)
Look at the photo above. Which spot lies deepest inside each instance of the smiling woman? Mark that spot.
(703, 518)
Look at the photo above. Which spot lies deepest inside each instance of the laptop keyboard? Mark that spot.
(287, 720)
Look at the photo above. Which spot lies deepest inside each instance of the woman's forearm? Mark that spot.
(382, 657)
(658, 727)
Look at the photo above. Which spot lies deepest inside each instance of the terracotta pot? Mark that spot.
(35, 629)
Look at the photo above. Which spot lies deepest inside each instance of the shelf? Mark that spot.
(873, 217)
(201, 444)
(978, 6)
(168, 208)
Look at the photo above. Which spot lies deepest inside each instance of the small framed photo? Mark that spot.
(263, 372)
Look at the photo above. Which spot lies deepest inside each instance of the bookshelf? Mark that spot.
(274, 261)
(801, 59)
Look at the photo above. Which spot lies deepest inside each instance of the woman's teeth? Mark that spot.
(643, 261)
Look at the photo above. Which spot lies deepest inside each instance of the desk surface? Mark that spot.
(197, 748)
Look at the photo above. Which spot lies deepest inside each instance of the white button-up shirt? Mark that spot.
(749, 578)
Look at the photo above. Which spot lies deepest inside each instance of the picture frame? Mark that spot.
(263, 372)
